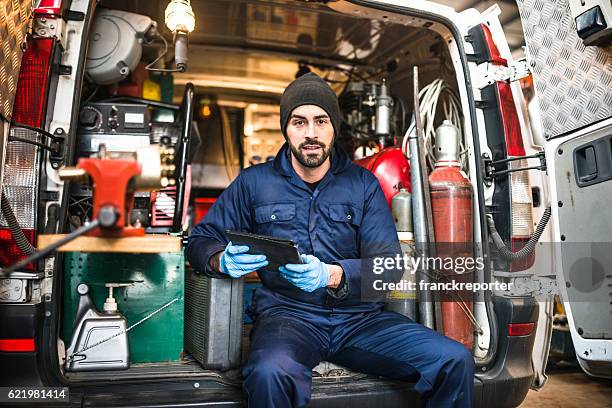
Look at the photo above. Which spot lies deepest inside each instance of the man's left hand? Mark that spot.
(309, 276)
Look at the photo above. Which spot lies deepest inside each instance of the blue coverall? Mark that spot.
(344, 221)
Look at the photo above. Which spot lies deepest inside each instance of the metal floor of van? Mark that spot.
(141, 371)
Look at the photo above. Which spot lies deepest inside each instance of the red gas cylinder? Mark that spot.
(451, 204)
(392, 170)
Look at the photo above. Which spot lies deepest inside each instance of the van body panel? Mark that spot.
(581, 225)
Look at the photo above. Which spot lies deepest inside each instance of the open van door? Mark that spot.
(515, 187)
(573, 85)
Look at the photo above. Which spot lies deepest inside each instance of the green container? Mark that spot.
(157, 278)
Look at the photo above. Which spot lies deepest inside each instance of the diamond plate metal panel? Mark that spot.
(573, 82)
(14, 20)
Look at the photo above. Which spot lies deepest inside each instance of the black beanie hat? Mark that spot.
(309, 89)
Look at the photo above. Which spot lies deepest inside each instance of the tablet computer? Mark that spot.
(278, 251)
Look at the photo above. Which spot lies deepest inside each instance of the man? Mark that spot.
(335, 210)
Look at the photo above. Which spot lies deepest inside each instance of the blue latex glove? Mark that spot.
(236, 262)
(309, 276)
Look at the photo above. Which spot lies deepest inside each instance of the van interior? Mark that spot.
(241, 55)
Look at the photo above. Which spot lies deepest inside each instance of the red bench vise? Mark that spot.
(115, 177)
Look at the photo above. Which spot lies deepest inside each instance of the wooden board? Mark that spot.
(147, 244)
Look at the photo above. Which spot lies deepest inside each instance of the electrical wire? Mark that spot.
(150, 102)
(149, 67)
(32, 128)
(429, 97)
(32, 142)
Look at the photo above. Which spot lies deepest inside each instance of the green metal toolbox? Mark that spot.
(157, 279)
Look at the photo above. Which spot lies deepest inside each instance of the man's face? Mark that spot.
(310, 134)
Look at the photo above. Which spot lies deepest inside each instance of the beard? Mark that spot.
(309, 158)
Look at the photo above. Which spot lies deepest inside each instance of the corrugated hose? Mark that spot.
(18, 235)
(526, 250)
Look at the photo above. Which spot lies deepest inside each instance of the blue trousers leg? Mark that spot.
(391, 345)
(284, 350)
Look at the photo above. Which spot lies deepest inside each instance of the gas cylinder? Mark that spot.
(391, 168)
(451, 204)
(404, 301)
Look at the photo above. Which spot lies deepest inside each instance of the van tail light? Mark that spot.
(521, 202)
(493, 54)
(22, 163)
(49, 7)
(17, 345)
(520, 329)
(520, 224)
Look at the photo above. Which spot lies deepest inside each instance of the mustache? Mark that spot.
(312, 142)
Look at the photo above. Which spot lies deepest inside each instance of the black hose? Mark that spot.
(528, 248)
(18, 235)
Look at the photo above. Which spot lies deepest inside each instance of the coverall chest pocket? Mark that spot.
(345, 220)
(275, 219)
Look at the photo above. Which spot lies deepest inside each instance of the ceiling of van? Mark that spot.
(257, 45)
(268, 37)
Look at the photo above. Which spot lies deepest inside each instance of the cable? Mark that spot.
(16, 231)
(160, 56)
(528, 248)
(429, 98)
(32, 128)
(149, 102)
(32, 142)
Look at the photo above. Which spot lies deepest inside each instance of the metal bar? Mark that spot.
(504, 172)
(419, 211)
(509, 159)
(51, 248)
(187, 109)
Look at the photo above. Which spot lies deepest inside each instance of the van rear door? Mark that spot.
(515, 187)
(573, 84)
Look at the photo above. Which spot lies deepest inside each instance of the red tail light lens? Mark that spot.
(49, 7)
(512, 126)
(516, 244)
(9, 251)
(496, 58)
(520, 329)
(17, 345)
(33, 82)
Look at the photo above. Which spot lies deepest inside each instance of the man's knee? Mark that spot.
(273, 365)
(458, 357)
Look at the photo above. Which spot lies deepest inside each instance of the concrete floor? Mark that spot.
(571, 388)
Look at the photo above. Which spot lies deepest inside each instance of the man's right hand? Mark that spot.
(236, 262)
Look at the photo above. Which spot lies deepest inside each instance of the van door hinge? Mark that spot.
(527, 285)
(491, 171)
(489, 73)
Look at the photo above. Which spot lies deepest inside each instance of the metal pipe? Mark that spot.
(183, 148)
(51, 248)
(419, 208)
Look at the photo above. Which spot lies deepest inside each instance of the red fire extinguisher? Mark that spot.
(451, 203)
